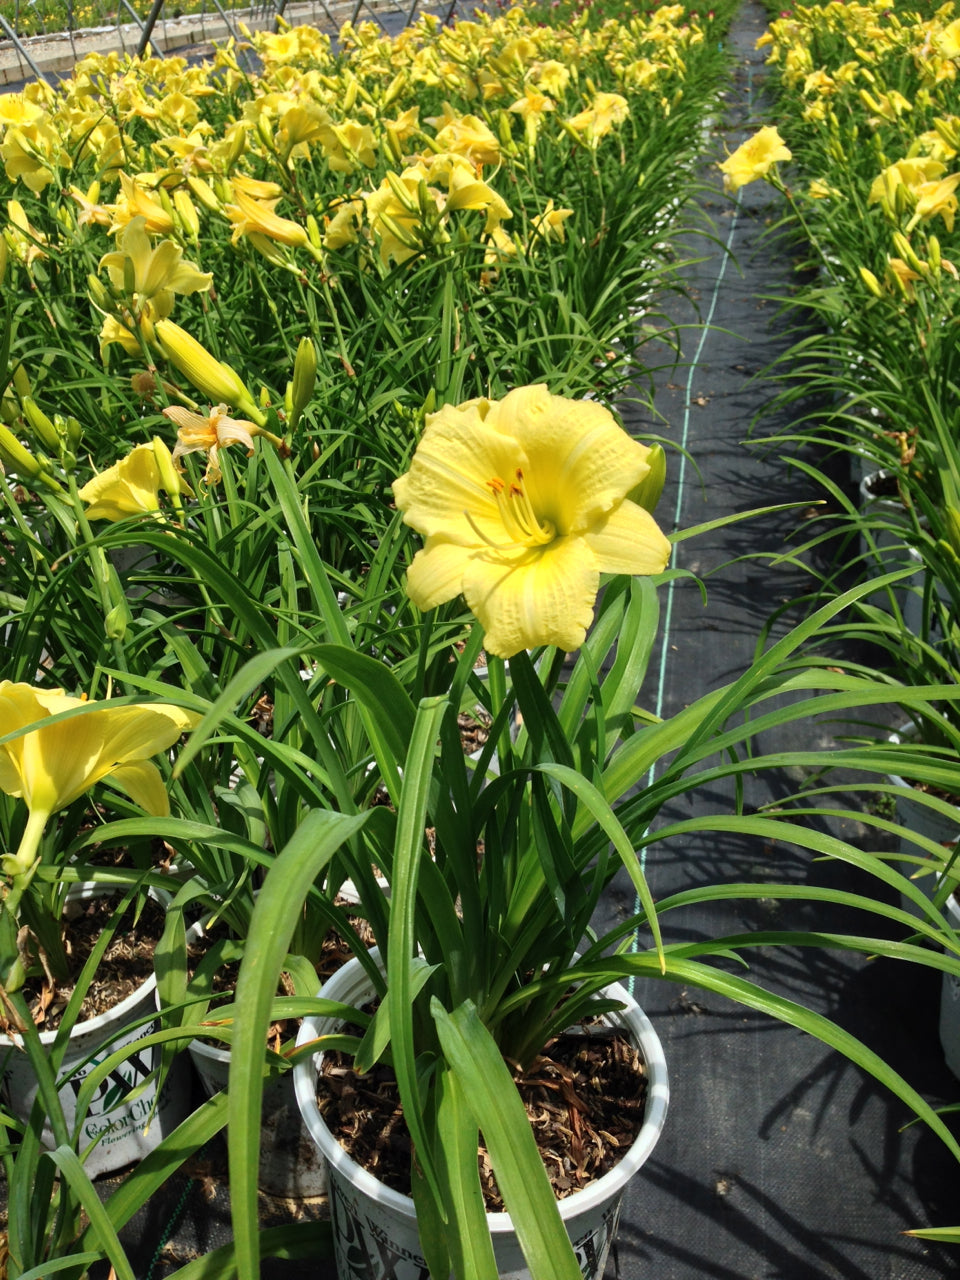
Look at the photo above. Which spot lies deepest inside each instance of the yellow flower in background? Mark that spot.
(257, 216)
(132, 486)
(343, 227)
(902, 276)
(549, 224)
(16, 109)
(935, 198)
(32, 153)
(754, 158)
(22, 237)
(947, 40)
(199, 434)
(402, 128)
(549, 77)
(468, 136)
(91, 212)
(523, 504)
(137, 201)
(50, 766)
(606, 111)
(396, 212)
(157, 274)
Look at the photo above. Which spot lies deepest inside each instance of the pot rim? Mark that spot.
(117, 1012)
(602, 1189)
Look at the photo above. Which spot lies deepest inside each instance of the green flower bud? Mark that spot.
(304, 379)
(647, 493)
(40, 425)
(15, 457)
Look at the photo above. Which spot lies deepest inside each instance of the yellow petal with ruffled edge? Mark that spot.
(541, 596)
(628, 540)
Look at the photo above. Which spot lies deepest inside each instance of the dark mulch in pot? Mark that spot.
(126, 964)
(584, 1096)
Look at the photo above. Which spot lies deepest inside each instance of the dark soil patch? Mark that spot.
(125, 965)
(585, 1097)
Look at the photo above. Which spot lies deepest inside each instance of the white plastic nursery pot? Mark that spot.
(924, 821)
(121, 1127)
(950, 1000)
(290, 1164)
(375, 1228)
(890, 552)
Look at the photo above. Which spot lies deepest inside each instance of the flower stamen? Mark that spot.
(520, 521)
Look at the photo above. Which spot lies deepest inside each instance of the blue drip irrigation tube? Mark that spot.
(681, 478)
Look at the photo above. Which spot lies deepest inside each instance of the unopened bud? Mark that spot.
(871, 281)
(40, 425)
(647, 493)
(906, 252)
(16, 457)
(215, 379)
(304, 379)
(117, 620)
(21, 382)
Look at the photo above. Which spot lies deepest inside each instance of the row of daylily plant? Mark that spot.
(296, 363)
(868, 111)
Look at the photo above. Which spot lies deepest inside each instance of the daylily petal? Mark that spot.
(628, 541)
(51, 765)
(458, 455)
(540, 596)
(143, 783)
(436, 573)
(129, 487)
(580, 461)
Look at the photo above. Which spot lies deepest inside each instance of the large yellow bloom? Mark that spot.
(51, 765)
(132, 486)
(157, 273)
(523, 504)
(754, 158)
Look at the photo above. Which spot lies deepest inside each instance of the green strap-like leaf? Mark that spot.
(271, 927)
(102, 1228)
(491, 1094)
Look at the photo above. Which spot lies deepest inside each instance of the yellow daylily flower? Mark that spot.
(606, 110)
(549, 224)
(136, 201)
(936, 198)
(754, 158)
(523, 504)
(158, 273)
(343, 227)
(91, 212)
(196, 433)
(22, 237)
(50, 766)
(469, 136)
(250, 215)
(132, 486)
